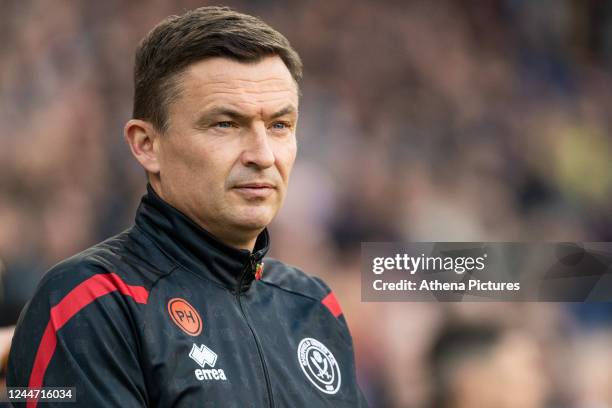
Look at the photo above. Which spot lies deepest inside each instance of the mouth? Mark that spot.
(255, 189)
(255, 185)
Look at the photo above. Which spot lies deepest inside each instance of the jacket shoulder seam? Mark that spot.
(144, 234)
(176, 264)
(291, 291)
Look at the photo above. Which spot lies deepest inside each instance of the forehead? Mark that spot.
(250, 87)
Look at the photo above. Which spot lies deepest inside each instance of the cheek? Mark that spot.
(285, 157)
(197, 162)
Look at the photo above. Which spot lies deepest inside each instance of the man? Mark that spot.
(487, 366)
(180, 310)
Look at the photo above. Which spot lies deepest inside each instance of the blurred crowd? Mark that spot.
(447, 120)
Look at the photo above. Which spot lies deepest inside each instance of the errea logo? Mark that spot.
(203, 356)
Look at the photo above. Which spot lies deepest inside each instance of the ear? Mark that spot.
(143, 140)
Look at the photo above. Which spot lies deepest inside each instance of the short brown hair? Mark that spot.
(179, 41)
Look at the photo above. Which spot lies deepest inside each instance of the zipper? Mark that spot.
(250, 268)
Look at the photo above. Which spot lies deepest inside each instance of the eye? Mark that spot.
(280, 125)
(224, 125)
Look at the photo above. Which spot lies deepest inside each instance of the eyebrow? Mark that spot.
(285, 111)
(206, 116)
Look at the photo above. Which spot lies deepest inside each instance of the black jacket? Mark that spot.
(164, 315)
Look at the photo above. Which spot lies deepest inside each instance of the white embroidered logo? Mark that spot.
(203, 355)
(319, 365)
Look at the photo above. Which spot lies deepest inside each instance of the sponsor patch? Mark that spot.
(185, 316)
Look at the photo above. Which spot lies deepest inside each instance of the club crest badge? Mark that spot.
(319, 365)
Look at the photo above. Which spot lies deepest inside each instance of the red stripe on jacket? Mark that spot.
(332, 304)
(79, 297)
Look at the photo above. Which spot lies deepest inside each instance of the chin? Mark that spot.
(254, 218)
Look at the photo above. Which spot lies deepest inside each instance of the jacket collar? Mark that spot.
(197, 249)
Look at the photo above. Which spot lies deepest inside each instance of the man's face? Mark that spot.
(510, 375)
(226, 157)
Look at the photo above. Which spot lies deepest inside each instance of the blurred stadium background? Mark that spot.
(440, 120)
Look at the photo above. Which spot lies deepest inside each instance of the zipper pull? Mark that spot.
(256, 267)
(259, 271)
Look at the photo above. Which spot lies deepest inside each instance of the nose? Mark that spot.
(257, 151)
